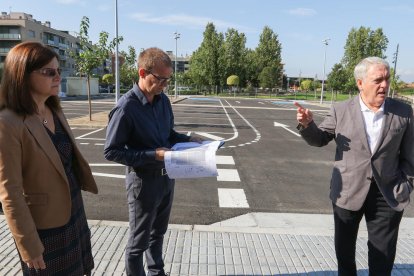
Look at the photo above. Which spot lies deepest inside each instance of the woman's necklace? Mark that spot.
(43, 118)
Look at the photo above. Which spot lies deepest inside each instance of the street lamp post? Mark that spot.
(325, 41)
(116, 54)
(176, 37)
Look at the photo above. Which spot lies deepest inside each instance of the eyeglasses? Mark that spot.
(49, 72)
(160, 79)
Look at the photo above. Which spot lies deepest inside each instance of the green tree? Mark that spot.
(128, 70)
(205, 68)
(395, 83)
(268, 54)
(362, 43)
(337, 78)
(306, 85)
(269, 77)
(233, 80)
(252, 76)
(92, 56)
(108, 79)
(233, 58)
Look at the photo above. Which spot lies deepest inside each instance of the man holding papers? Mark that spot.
(140, 132)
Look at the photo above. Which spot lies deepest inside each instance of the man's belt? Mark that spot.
(152, 171)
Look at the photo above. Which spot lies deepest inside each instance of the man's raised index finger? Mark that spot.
(298, 105)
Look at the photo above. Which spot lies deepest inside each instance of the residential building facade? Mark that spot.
(17, 27)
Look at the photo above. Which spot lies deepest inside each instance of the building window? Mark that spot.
(31, 33)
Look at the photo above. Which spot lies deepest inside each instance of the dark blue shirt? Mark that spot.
(136, 128)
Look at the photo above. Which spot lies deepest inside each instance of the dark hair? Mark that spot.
(153, 57)
(22, 60)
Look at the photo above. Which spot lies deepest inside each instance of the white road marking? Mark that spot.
(276, 124)
(224, 160)
(210, 136)
(237, 101)
(228, 175)
(109, 175)
(258, 136)
(236, 133)
(84, 143)
(99, 144)
(232, 198)
(89, 133)
(261, 103)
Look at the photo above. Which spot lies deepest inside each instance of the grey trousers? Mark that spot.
(150, 196)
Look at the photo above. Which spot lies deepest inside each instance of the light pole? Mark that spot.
(325, 41)
(176, 37)
(395, 70)
(116, 54)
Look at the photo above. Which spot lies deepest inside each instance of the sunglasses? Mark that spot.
(49, 72)
(160, 79)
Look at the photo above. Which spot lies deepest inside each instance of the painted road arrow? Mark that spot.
(285, 127)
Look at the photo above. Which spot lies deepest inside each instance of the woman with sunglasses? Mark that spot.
(42, 170)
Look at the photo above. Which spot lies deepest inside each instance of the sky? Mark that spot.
(301, 25)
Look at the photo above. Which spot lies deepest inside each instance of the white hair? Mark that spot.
(362, 67)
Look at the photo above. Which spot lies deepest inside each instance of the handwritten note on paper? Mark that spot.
(192, 160)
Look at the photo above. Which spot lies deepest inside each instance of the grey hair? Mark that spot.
(362, 67)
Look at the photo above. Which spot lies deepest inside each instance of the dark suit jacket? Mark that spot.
(34, 189)
(391, 164)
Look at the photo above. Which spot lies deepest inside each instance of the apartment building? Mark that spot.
(16, 27)
(183, 62)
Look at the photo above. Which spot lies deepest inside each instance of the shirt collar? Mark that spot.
(141, 95)
(365, 108)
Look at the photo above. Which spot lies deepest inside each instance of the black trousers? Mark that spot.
(150, 197)
(382, 224)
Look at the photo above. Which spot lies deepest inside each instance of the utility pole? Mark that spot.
(325, 41)
(395, 70)
(176, 37)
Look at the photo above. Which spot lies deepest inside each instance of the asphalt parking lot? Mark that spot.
(264, 165)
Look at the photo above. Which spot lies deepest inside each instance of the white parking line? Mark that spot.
(232, 198)
(210, 136)
(89, 133)
(228, 175)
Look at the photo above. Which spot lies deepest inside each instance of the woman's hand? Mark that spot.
(36, 263)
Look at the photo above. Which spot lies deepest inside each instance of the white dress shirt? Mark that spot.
(373, 123)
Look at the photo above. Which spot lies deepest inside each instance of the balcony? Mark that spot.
(10, 37)
(4, 50)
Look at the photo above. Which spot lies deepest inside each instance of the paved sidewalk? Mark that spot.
(253, 244)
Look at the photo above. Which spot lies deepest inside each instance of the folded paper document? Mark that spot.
(192, 160)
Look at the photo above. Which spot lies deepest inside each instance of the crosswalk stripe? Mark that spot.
(232, 198)
(224, 160)
(228, 175)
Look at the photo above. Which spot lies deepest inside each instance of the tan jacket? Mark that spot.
(34, 189)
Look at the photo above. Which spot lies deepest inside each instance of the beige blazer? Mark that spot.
(391, 163)
(34, 189)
